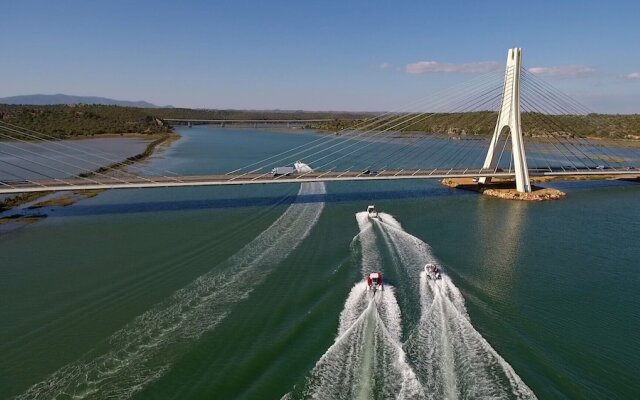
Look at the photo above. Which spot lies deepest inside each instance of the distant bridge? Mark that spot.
(248, 121)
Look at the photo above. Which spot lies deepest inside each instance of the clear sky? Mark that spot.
(313, 55)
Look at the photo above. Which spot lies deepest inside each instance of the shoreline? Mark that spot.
(594, 140)
(504, 189)
(10, 207)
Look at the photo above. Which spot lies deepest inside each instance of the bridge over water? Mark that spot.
(97, 183)
(375, 149)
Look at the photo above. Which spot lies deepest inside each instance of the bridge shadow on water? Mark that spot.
(243, 202)
(339, 197)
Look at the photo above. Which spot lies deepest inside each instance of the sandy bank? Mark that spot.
(504, 189)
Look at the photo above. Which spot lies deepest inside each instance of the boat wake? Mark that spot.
(143, 350)
(366, 360)
(450, 358)
(444, 357)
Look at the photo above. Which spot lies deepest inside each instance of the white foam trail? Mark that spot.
(389, 220)
(449, 356)
(367, 238)
(366, 360)
(144, 349)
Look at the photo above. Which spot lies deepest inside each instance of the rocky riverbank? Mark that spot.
(504, 189)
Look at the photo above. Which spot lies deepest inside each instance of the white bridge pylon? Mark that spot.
(509, 122)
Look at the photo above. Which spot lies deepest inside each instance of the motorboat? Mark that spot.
(302, 167)
(433, 272)
(371, 212)
(374, 281)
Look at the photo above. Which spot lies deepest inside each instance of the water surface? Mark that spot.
(240, 292)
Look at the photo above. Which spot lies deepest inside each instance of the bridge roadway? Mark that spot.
(245, 121)
(120, 182)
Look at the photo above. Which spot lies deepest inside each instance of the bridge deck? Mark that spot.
(103, 182)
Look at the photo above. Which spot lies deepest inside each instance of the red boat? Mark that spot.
(374, 281)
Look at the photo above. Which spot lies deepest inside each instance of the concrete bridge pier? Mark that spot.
(509, 122)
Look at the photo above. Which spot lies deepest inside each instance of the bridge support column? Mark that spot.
(509, 121)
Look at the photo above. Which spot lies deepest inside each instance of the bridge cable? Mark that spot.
(416, 118)
(561, 109)
(551, 121)
(92, 152)
(394, 118)
(100, 166)
(541, 115)
(367, 138)
(482, 115)
(421, 147)
(413, 146)
(66, 173)
(367, 123)
(21, 177)
(83, 171)
(547, 92)
(407, 146)
(536, 116)
(68, 156)
(403, 119)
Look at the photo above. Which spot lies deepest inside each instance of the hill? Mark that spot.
(53, 99)
(64, 121)
(85, 120)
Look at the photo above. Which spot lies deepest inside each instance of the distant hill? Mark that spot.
(51, 99)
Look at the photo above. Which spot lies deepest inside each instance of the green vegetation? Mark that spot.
(189, 113)
(483, 123)
(20, 199)
(21, 219)
(60, 201)
(148, 151)
(69, 121)
(473, 123)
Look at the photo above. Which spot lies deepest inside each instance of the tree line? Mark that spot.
(66, 121)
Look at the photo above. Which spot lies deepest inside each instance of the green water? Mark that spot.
(238, 293)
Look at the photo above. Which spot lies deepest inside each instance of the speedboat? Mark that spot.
(433, 272)
(302, 167)
(371, 212)
(374, 281)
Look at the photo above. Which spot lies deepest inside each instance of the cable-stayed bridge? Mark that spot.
(537, 131)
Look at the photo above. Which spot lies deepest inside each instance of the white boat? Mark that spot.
(433, 272)
(302, 167)
(371, 211)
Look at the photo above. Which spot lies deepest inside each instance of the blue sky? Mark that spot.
(313, 55)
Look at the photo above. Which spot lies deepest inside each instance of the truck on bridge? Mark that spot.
(277, 171)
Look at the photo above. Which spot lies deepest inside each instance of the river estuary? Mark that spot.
(257, 292)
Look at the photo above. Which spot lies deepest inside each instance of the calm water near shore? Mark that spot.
(64, 158)
(253, 292)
